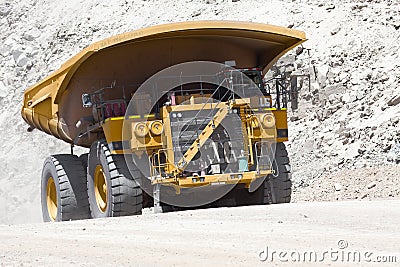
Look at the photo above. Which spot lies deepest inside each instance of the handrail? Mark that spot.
(258, 157)
(154, 167)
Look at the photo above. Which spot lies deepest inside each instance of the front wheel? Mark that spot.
(278, 186)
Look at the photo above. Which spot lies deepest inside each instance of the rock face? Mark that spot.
(347, 119)
(394, 153)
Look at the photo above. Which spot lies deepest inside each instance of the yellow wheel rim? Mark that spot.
(100, 188)
(51, 199)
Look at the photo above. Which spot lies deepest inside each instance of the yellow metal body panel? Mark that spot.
(165, 111)
(229, 178)
(53, 105)
(112, 128)
(281, 123)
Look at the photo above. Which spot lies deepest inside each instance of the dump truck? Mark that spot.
(174, 116)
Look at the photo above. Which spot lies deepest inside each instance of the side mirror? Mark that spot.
(87, 101)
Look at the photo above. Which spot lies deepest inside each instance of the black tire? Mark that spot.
(123, 193)
(243, 197)
(69, 179)
(278, 186)
(170, 208)
(84, 159)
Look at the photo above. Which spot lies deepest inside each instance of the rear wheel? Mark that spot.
(278, 186)
(64, 193)
(84, 160)
(112, 190)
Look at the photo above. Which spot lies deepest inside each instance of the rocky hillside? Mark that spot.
(348, 118)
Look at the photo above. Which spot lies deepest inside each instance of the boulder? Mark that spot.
(322, 72)
(3, 90)
(338, 186)
(394, 153)
(335, 30)
(31, 35)
(16, 53)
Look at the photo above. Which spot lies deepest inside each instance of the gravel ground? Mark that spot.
(216, 237)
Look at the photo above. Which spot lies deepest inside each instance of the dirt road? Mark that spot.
(240, 236)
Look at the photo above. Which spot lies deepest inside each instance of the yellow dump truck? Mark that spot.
(176, 115)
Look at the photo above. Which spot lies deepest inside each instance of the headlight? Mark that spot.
(156, 127)
(140, 129)
(268, 121)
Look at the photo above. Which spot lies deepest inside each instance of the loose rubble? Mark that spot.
(366, 184)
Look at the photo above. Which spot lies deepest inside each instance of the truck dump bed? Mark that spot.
(54, 104)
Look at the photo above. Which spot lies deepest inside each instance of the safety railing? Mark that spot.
(159, 166)
(264, 157)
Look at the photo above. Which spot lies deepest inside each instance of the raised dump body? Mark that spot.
(53, 105)
(85, 103)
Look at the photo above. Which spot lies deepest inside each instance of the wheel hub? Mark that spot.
(51, 199)
(100, 188)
